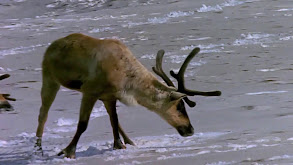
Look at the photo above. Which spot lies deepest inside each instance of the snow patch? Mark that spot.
(148, 56)
(98, 30)
(285, 9)
(266, 92)
(98, 112)
(65, 122)
(205, 8)
(267, 70)
(254, 39)
(286, 38)
(282, 157)
(20, 50)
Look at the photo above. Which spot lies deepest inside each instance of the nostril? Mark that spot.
(185, 130)
(191, 128)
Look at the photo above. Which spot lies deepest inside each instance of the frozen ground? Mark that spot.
(246, 52)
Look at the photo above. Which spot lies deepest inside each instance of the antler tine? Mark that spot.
(180, 75)
(189, 102)
(180, 78)
(159, 70)
(4, 76)
(7, 97)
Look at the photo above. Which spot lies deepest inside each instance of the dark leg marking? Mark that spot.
(74, 84)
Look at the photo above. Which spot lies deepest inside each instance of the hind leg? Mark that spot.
(125, 137)
(48, 94)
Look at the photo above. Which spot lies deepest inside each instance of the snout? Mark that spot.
(185, 130)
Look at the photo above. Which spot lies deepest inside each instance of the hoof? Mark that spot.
(68, 153)
(128, 141)
(118, 145)
(38, 151)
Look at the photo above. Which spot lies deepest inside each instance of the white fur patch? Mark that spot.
(128, 99)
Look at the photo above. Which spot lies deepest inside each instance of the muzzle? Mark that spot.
(185, 130)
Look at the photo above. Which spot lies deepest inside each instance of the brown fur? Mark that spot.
(103, 70)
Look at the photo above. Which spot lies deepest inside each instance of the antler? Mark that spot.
(6, 96)
(159, 71)
(180, 78)
(4, 76)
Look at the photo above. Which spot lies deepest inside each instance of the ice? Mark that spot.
(132, 24)
(21, 37)
(232, 3)
(20, 50)
(73, 3)
(281, 157)
(266, 92)
(266, 140)
(267, 70)
(285, 9)
(255, 39)
(200, 39)
(219, 7)
(98, 112)
(65, 122)
(98, 30)
(158, 20)
(286, 38)
(65, 89)
(159, 147)
(4, 143)
(176, 14)
(237, 147)
(181, 155)
(160, 150)
(205, 8)
(221, 163)
(19, 0)
(5, 69)
(210, 48)
(148, 56)
(62, 129)
(177, 59)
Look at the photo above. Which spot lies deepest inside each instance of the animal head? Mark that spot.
(174, 111)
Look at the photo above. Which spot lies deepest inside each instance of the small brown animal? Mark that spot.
(4, 104)
(106, 70)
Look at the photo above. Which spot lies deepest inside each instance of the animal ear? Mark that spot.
(176, 95)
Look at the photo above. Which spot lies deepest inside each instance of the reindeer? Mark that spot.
(4, 104)
(106, 70)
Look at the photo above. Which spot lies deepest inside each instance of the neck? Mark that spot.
(147, 91)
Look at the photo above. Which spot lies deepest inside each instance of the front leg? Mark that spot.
(111, 109)
(87, 105)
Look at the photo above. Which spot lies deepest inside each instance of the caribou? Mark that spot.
(106, 70)
(4, 104)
